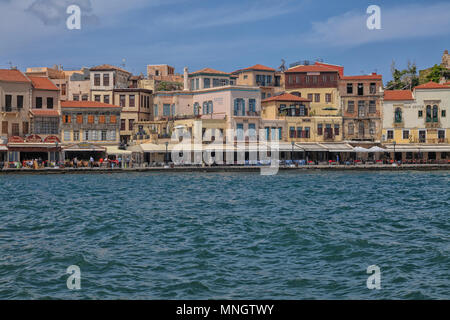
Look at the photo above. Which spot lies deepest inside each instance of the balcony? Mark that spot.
(11, 109)
(432, 124)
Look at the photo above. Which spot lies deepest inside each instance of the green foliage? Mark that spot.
(403, 79)
(435, 73)
(169, 86)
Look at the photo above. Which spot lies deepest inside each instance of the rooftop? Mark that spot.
(432, 85)
(42, 83)
(209, 71)
(256, 67)
(312, 68)
(106, 67)
(13, 75)
(392, 95)
(286, 97)
(86, 104)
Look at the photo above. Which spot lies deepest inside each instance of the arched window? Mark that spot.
(435, 113)
(398, 115)
(351, 128)
(428, 113)
(210, 107)
(196, 109)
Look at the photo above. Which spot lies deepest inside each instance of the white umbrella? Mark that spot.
(360, 149)
(377, 149)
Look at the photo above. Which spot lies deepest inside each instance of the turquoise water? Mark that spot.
(225, 235)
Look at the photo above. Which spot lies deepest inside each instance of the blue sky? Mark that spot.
(224, 35)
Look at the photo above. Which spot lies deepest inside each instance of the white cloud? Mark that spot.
(402, 22)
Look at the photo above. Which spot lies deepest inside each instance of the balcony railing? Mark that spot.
(11, 109)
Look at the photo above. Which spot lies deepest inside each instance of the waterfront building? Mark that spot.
(136, 106)
(79, 85)
(88, 128)
(104, 79)
(266, 78)
(161, 73)
(209, 78)
(56, 75)
(361, 101)
(416, 124)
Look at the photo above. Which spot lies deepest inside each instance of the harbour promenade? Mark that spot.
(340, 167)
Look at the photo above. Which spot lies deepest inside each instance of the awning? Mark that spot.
(81, 147)
(418, 148)
(337, 147)
(3, 148)
(113, 150)
(310, 147)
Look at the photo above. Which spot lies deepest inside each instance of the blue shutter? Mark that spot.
(235, 106)
(243, 107)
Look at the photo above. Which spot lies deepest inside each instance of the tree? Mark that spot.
(169, 86)
(435, 73)
(403, 79)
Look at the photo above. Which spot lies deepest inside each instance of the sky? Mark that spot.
(223, 35)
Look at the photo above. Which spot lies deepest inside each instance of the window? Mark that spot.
(66, 135)
(252, 130)
(76, 136)
(390, 134)
(66, 118)
(97, 98)
(373, 88)
(210, 107)
(441, 135)
(101, 119)
(206, 83)
(122, 100)
(303, 110)
(239, 107)
(112, 119)
(361, 109)
(91, 118)
(336, 129)
(106, 98)
(166, 110)
(351, 106)
(291, 132)
(263, 95)
(25, 128)
(132, 100)
(360, 89)
(372, 127)
(205, 108)
(310, 96)
(5, 127)
(252, 105)
(349, 88)
(86, 135)
(240, 131)
(300, 132)
(351, 128)
(122, 124)
(103, 135)
(19, 102)
(197, 83)
(398, 115)
(317, 97)
(97, 79)
(361, 129)
(435, 113)
(106, 79)
(38, 102)
(328, 97)
(307, 130)
(319, 129)
(405, 134)
(155, 110)
(76, 97)
(46, 125)
(420, 114)
(8, 102)
(428, 113)
(422, 136)
(196, 108)
(85, 97)
(49, 103)
(63, 89)
(372, 106)
(443, 113)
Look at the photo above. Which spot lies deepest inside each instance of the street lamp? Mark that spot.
(167, 144)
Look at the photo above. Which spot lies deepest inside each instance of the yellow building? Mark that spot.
(292, 116)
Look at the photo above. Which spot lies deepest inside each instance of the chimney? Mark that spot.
(186, 80)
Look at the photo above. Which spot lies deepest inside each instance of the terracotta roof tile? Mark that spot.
(43, 112)
(210, 71)
(108, 67)
(257, 67)
(340, 69)
(311, 68)
(398, 95)
(431, 85)
(86, 104)
(42, 83)
(286, 97)
(12, 75)
(373, 76)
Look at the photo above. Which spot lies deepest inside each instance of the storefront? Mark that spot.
(47, 152)
(84, 151)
